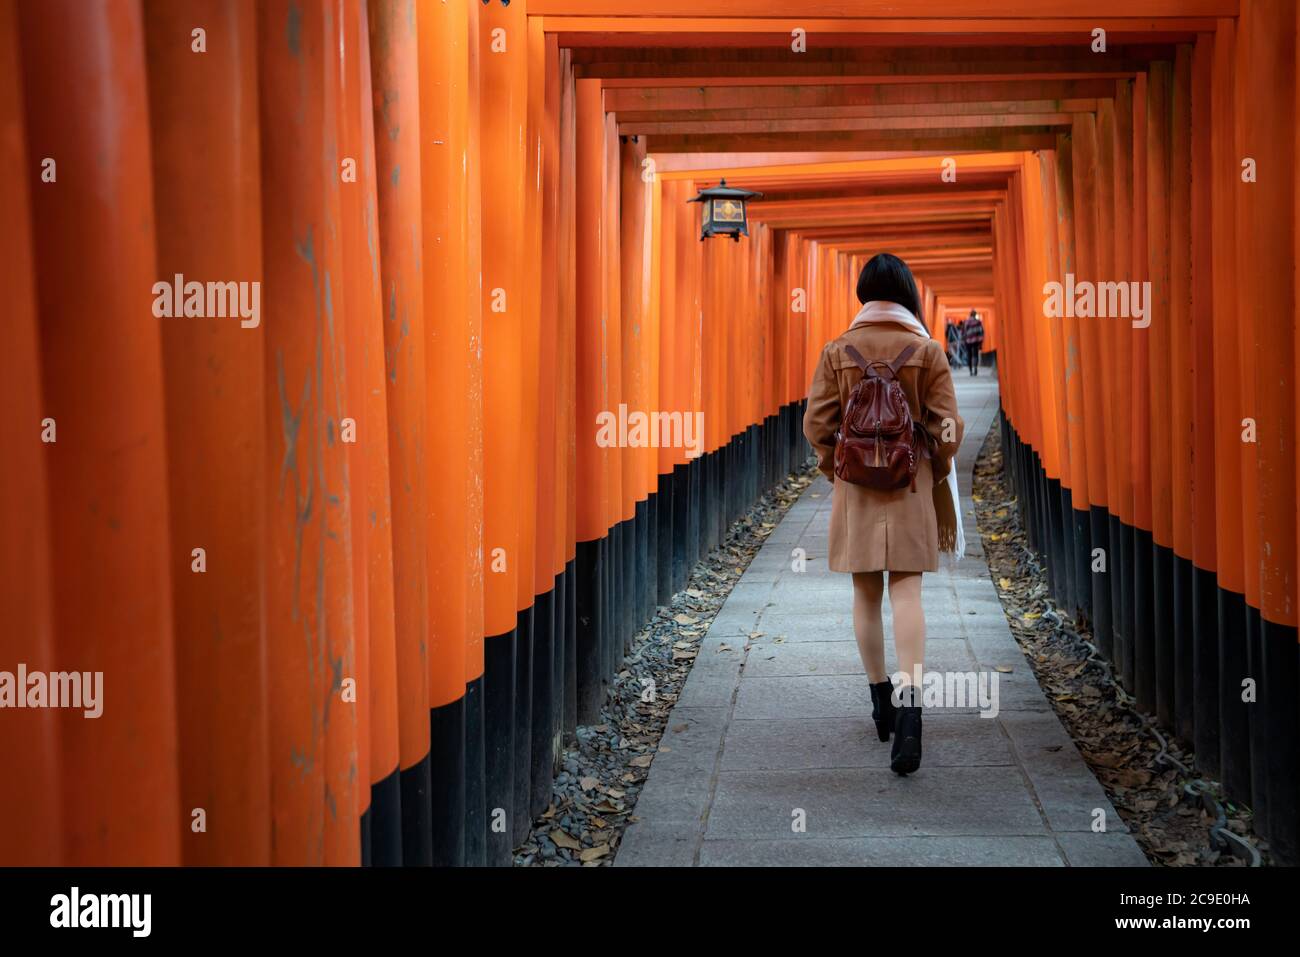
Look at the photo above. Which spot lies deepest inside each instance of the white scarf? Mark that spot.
(878, 310)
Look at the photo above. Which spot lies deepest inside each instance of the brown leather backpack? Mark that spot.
(877, 443)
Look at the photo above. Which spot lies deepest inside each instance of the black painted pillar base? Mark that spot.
(447, 794)
(629, 587)
(559, 658)
(475, 780)
(1116, 573)
(1126, 628)
(695, 518)
(520, 820)
(543, 715)
(1205, 670)
(1065, 532)
(1144, 639)
(1099, 532)
(499, 745)
(570, 725)
(589, 631)
(681, 526)
(1277, 708)
(1257, 669)
(386, 821)
(664, 540)
(1162, 631)
(364, 833)
(647, 560)
(1184, 636)
(1081, 533)
(1234, 714)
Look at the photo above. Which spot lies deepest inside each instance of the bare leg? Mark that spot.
(868, 627)
(909, 622)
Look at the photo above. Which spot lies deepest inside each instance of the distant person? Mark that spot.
(892, 525)
(973, 336)
(956, 352)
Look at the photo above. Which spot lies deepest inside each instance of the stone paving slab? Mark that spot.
(884, 852)
(872, 802)
(770, 757)
(797, 743)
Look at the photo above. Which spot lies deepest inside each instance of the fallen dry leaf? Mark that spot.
(562, 839)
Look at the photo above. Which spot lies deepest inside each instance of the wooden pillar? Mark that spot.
(1072, 374)
(592, 392)
(29, 748)
(1265, 232)
(203, 116)
(476, 825)
(566, 497)
(112, 561)
(503, 43)
(379, 798)
(1141, 647)
(549, 583)
(1112, 336)
(1174, 614)
(309, 577)
(396, 118)
(1229, 411)
(450, 356)
(1205, 518)
(1093, 368)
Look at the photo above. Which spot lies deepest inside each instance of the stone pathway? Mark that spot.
(773, 732)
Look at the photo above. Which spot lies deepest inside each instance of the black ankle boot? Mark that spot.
(905, 757)
(882, 708)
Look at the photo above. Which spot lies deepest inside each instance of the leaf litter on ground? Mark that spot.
(601, 771)
(1110, 734)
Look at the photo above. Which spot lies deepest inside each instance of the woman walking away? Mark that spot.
(882, 418)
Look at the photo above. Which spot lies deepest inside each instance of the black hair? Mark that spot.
(886, 277)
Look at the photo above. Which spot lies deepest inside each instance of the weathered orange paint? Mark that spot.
(529, 485)
(29, 746)
(394, 72)
(1266, 80)
(450, 353)
(592, 381)
(207, 190)
(368, 466)
(503, 49)
(314, 773)
(93, 239)
(550, 478)
(476, 599)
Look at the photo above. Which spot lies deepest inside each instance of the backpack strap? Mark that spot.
(901, 359)
(894, 366)
(856, 356)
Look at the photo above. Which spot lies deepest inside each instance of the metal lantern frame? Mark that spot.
(724, 211)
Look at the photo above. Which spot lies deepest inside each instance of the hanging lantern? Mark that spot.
(724, 211)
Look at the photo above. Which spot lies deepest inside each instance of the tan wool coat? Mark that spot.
(873, 530)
